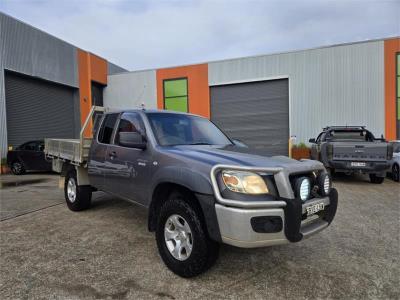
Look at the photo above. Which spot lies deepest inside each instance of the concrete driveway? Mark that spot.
(49, 252)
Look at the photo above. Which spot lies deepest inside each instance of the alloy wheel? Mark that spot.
(71, 190)
(178, 237)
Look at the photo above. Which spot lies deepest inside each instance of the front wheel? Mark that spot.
(396, 172)
(376, 179)
(78, 197)
(17, 168)
(182, 239)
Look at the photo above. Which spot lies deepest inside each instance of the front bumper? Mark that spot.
(236, 228)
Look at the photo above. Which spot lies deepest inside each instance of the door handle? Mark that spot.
(112, 154)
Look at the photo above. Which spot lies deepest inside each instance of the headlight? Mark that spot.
(303, 188)
(324, 184)
(244, 182)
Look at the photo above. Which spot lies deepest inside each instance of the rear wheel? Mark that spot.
(396, 173)
(376, 179)
(17, 168)
(78, 197)
(182, 238)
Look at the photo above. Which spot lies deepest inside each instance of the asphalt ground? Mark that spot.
(106, 252)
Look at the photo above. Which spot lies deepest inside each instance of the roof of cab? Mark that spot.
(146, 111)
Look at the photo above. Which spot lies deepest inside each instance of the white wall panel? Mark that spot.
(130, 90)
(336, 85)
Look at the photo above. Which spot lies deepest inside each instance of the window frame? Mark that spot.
(187, 92)
(101, 127)
(142, 132)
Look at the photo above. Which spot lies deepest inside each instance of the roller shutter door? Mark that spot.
(256, 113)
(37, 109)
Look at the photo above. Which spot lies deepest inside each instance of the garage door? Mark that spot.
(37, 109)
(255, 112)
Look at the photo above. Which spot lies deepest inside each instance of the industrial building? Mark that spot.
(263, 100)
(47, 87)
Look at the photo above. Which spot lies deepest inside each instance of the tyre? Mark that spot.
(78, 197)
(17, 168)
(376, 179)
(396, 172)
(182, 238)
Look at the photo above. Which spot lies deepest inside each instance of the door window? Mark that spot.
(31, 146)
(129, 122)
(107, 128)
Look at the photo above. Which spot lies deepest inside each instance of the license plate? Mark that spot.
(358, 164)
(313, 209)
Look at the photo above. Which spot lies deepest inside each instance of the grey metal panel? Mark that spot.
(256, 113)
(33, 52)
(328, 86)
(3, 122)
(114, 69)
(130, 90)
(37, 109)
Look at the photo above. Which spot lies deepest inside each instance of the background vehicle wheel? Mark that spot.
(78, 197)
(376, 179)
(182, 238)
(17, 168)
(396, 172)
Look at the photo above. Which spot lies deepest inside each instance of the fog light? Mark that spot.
(303, 188)
(324, 184)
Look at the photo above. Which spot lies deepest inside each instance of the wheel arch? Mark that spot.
(161, 193)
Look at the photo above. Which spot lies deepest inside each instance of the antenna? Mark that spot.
(141, 96)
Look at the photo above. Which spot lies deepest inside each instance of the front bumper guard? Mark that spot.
(234, 217)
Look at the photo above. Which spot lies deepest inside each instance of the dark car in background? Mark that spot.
(28, 157)
(394, 170)
(352, 149)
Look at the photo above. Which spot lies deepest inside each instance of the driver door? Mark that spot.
(130, 166)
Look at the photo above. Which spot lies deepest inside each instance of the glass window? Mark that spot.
(129, 122)
(176, 94)
(179, 129)
(348, 135)
(107, 128)
(31, 146)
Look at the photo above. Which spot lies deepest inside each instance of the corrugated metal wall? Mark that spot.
(114, 69)
(36, 53)
(27, 50)
(328, 86)
(130, 90)
(3, 121)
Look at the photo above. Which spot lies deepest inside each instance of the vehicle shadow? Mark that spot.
(353, 178)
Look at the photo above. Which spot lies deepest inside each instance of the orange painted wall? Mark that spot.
(99, 69)
(392, 47)
(90, 68)
(198, 89)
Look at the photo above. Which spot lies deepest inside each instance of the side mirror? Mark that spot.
(239, 143)
(132, 140)
(312, 141)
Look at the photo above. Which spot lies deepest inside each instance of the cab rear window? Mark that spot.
(107, 128)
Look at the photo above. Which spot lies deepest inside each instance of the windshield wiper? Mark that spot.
(200, 143)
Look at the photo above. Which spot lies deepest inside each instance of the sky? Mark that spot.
(146, 34)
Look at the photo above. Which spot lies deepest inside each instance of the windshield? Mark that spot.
(178, 129)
